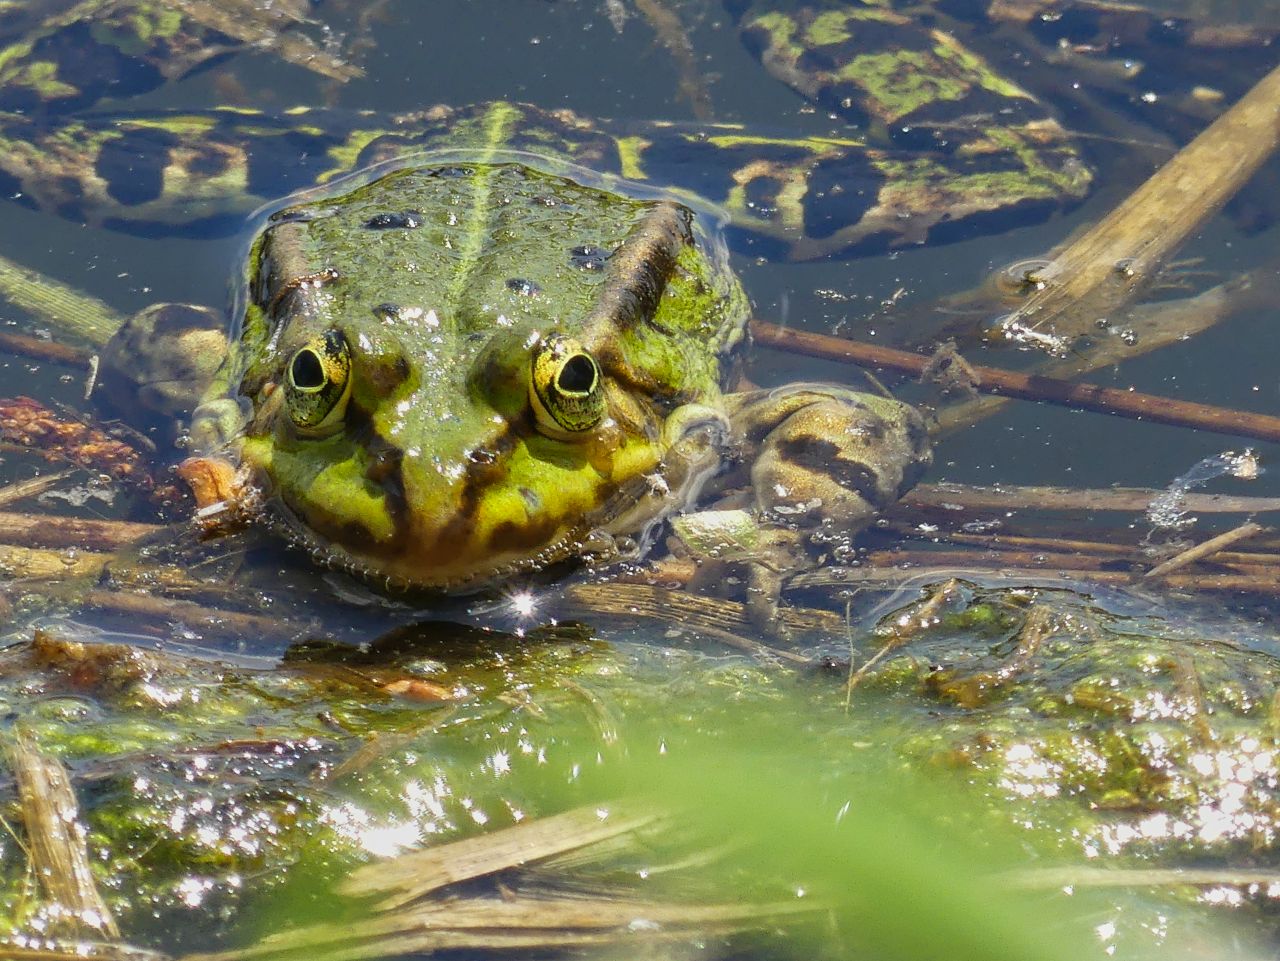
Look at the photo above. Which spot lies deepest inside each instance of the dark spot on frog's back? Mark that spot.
(821, 456)
(209, 162)
(449, 173)
(525, 288)
(588, 257)
(82, 63)
(398, 220)
(133, 165)
(704, 168)
(172, 319)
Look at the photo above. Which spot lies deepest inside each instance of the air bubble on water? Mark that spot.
(1167, 509)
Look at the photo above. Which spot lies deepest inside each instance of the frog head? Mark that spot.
(456, 373)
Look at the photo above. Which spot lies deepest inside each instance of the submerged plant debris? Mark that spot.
(208, 790)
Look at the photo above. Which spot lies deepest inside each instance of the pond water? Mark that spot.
(1037, 722)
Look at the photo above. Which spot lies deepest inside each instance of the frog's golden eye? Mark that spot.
(565, 387)
(318, 383)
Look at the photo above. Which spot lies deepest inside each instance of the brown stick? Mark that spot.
(710, 614)
(413, 876)
(1051, 390)
(1062, 545)
(973, 689)
(904, 628)
(37, 348)
(978, 566)
(1203, 550)
(212, 619)
(956, 497)
(1112, 262)
(31, 487)
(52, 530)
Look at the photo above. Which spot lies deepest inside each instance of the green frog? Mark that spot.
(479, 360)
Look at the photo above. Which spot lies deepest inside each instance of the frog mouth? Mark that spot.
(589, 543)
(621, 529)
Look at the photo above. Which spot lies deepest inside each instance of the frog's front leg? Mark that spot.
(823, 461)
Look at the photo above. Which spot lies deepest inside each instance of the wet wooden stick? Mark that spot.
(56, 838)
(1084, 877)
(924, 616)
(1205, 549)
(32, 487)
(971, 690)
(1115, 260)
(412, 876)
(696, 612)
(1063, 545)
(167, 610)
(37, 348)
(52, 530)
(955, 498)
(1036, 387)
(989, 570)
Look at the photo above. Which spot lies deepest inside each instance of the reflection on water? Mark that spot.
(1134, 726)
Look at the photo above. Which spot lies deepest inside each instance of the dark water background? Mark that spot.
(568, 54)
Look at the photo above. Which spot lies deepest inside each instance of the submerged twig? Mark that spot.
(1115, 260)
(906, 626)
(1205, 549)
(1084, 877)
(74, 315)
(56, 838)
(37, 348)
(31, 487)
(168, 611)
(960, 497)
(534, 923)
(413, 876)
(52, 530)
(714, 616)
(973, 689)
(991, 570)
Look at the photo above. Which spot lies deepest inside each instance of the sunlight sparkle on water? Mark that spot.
(523, 603)
(387, 839)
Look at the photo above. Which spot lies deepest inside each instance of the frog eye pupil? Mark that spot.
(307, 371)
(578, 375)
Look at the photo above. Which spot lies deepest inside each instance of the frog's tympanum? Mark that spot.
(460, 372)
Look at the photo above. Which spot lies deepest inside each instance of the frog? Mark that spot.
(428, 393)
(565, 379)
